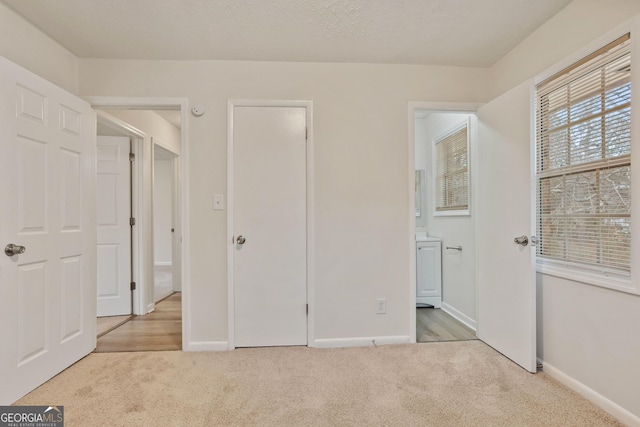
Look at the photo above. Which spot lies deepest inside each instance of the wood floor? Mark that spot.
(158, 330)
(435, 325)
(109, 323)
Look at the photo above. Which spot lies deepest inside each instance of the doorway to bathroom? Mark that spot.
(445, 143)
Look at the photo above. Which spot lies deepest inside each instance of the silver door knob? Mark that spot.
(11, 249)
(522, 240)
(240, 240)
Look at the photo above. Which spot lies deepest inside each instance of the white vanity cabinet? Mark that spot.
(429, 272)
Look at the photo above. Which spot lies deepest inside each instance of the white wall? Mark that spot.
(162, 211)
(585, 332)
(577, 24)
(361, 177)
(421, 158)
(458, 267)
(30, 48)
(163, 133)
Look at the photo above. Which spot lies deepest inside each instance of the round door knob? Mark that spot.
(522, 240)
(241, 239)
(11, 249)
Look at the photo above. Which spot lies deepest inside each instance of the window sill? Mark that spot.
(452, 213)
(592, 276)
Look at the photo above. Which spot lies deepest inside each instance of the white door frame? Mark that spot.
(182, 226)
(308, 105)
(440, 107)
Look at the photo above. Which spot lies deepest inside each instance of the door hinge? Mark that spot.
(307, 308)
(133, 286)
(132, 221)
(306, 134)
(132, 157)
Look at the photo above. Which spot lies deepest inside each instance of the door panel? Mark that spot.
(269, 178)
(506, 275)
(73, 293)
(47, 188)
(114, 231)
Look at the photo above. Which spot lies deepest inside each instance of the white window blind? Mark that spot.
(452, 170)
(583, 135)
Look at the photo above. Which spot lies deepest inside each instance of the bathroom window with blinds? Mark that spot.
(583, 170)
(452, 171)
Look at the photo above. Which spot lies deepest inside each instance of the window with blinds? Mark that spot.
(583, 171)
(452, 170)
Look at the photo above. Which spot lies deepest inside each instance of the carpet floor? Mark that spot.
(437, 384)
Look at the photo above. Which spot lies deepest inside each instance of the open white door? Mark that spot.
(269, 221)
(113, 202)
(506, 273)
(47, 188)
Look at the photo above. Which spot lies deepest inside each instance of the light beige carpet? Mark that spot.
(437, 384)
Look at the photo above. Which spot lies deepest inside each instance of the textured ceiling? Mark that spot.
(434, 32)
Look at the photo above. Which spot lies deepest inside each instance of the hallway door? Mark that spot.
(113, 209)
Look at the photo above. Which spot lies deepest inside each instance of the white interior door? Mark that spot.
(47, 188)
(269, 212)
(113, 210)
(506, 275)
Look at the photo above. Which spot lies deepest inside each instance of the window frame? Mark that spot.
(584, 273)
(466, 123)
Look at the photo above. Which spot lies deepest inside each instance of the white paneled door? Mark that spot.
(47, 188)
(113, 203)
(506, 274)
(269, 224)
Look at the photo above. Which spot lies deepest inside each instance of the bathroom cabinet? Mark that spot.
(429, 272)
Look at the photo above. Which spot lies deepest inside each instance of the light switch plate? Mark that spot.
(218, 202)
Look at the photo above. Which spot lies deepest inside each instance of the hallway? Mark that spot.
(160, 330)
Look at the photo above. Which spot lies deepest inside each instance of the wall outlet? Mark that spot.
(381, 306)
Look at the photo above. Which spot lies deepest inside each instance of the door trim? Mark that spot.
(182, 227)
(441, 107)
(308, 105)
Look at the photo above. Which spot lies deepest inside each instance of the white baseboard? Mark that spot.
(611, 407)
(458, 315)
(359, 341)
(162, 263)
(207, 346)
